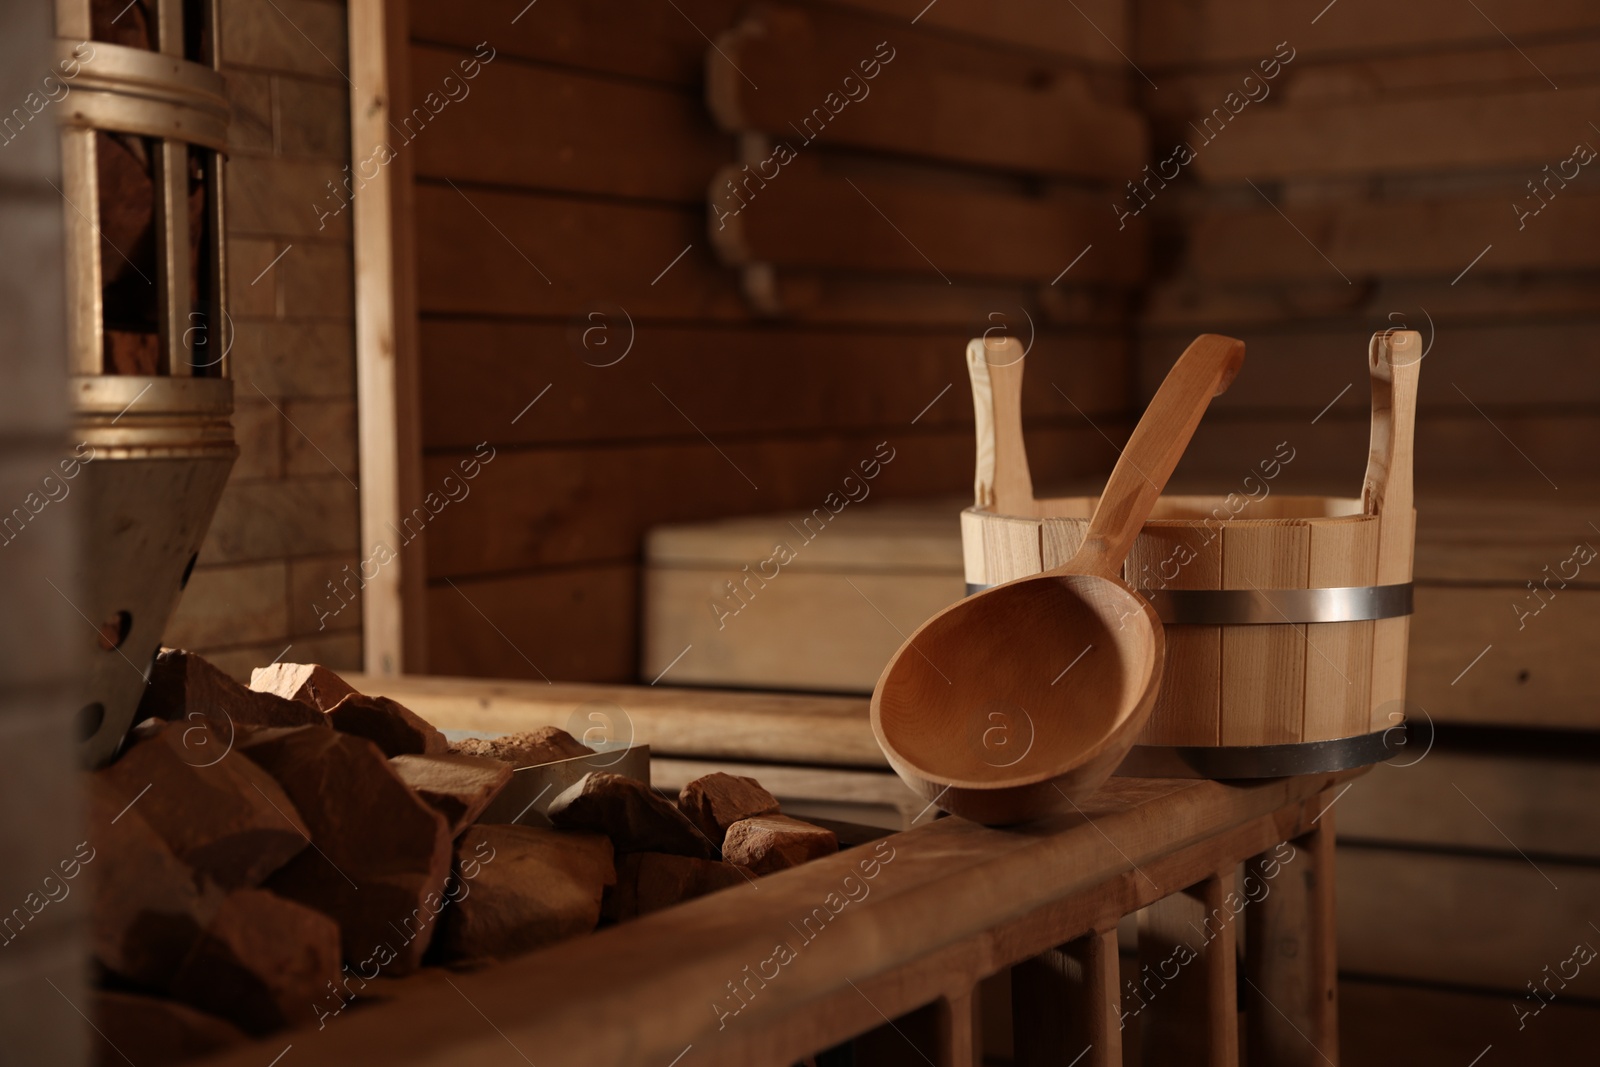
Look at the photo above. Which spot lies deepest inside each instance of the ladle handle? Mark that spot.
(1206, 369)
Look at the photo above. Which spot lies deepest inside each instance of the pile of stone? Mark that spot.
(265, 856)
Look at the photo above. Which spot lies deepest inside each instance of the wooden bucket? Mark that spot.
(1286, 617)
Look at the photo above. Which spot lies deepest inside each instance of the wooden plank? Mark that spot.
(1187, 1004)
(1451, 449)
(1264, 667)
(956, 1037)
(1498, 540)
(932, 922)
(1481, 130)
(898, 537)
(940, 1034)
(498, 253)
(1538, 800)
(1095, 31)
(479, 375)
(1300, 369)
(1488, 67)
(1472, 300)
(1538, 676)
(613, 36)
(1068, 998)
(1339, 654)
(824, 632)
(1059, 538)
(578, 624)
(824, 297)
(809, 786)
(1396, 1025)
(881, 226)
(1291, 1008)
(1187, 711)
(1506, 534)
(394, 632)
(992, 111)
(1213, 31)
(1394, 239)
(1012, 549)
(689, 723)
(1444, 919)
(557, 130)
(497, 525)
(973, 565)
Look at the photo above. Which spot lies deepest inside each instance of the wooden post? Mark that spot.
(942, 1033)
(393, 604)
(1184, 994)
(1291, 987)
(1065, 1002)
(956, 1038)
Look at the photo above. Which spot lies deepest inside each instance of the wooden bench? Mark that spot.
(903, 929)
(1425, 878)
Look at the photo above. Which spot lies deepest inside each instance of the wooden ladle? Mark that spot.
(1022, 699)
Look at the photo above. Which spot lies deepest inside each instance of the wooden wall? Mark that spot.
(1377, 181)
(569, 257)
(43, 654)
(1381, 180)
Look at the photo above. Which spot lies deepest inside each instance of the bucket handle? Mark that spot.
(1002, 484)
(1394, 358)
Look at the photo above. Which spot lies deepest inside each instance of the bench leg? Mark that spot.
(1185, 997)
(956, 1038)
(1291, 987)
(1064, 1004)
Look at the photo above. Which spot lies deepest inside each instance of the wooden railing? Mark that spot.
(903, 929)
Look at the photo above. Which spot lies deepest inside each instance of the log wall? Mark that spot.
(690, 352)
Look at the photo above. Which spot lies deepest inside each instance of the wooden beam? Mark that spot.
(883, 226)
(495, 252)
(1359, 239)
(855, 82)
(1303, 367)
(385, 342)
(1066, 1002)
(1094, 30)
(653, 42)
(1402, 916)
(1291, 999)
(1217, 31)
(1539, 800)
(496, 525)
(697, 723)
(1187, 1003)
(479, 375)
(557, 129)
(1482, 130)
